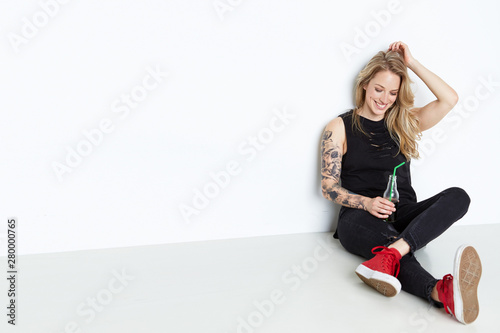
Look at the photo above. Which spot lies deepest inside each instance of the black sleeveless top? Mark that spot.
(370, 160)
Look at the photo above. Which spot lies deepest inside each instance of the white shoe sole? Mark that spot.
(466, 276)
(385, 284)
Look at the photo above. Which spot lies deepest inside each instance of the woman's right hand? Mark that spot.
(380, 207)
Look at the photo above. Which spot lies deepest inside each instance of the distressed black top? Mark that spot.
(370, 160)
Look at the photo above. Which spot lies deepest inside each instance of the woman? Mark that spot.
(360, 149)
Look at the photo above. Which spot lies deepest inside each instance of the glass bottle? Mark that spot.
(394, 198)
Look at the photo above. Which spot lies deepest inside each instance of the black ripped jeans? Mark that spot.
(417, 223)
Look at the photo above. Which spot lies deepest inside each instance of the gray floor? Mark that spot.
(292, 283)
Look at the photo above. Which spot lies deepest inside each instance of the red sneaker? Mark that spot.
(381, 271)
(459, 294)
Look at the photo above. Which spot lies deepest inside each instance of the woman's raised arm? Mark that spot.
(430, 114)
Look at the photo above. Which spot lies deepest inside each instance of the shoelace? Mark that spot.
(444, 290)
(389, 261)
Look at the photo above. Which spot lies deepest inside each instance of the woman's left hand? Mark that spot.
(404, 50)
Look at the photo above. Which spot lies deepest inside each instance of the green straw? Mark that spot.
(392, 182)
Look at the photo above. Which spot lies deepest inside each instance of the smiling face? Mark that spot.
(380, 94)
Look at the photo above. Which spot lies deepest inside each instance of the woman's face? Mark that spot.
(381, 93)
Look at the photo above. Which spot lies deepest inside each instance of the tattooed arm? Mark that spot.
(333, 148)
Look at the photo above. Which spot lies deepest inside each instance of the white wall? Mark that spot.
(230, 72)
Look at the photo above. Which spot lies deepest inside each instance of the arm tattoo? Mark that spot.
(331, 165)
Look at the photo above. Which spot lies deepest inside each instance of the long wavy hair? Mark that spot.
(400, 121)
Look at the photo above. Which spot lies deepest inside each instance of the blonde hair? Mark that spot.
(400, 121)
